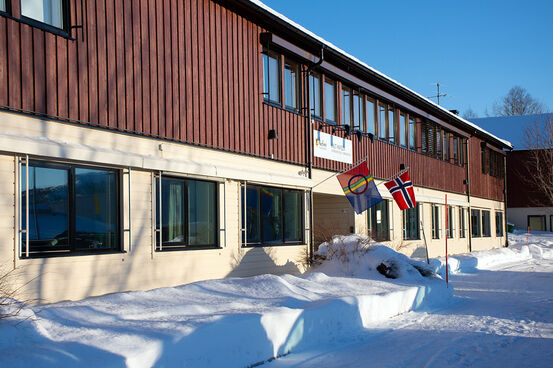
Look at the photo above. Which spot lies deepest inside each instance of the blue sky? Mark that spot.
(477, 50)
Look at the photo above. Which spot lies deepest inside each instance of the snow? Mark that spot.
(343, 306)
(328, 44)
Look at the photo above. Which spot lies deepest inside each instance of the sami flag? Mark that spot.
(359, 188)
(401, 189)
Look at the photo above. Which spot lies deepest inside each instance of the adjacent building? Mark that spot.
(155, 143)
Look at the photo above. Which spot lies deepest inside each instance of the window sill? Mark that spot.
(274, 245)
(73, 254)
(184, 248)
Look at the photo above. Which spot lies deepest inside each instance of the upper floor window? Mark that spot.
(346, 105)
(51, 12)
(358, 112)
(315, 94)
(446, 146)
(392, 124)
(439, 152)
(3, 5)
(371, 117)
(69, 209)
(412, 142)
(402, 135)
(330, 101)
(455, 150)
(291, 84)
(382, 121)
(186, 214)
(271, 77)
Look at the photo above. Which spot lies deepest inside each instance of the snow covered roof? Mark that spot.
(392, 81)
(512, 127)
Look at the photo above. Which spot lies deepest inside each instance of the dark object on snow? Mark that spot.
(425, 271)
(390, 270)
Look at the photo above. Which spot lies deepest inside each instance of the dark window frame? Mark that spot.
(374, 129)
(261, 243)
(288, 61)
(403, 128)
(70, 249)
(372, 220)
(6, 11)
(266, 76)
(328, 120)
(406, 214)
(49, 27)
(313, 76)
(486, 224)
(347, 111)
(179, 246)
(462, 222)
(435, 221)
(475, 231)
(499, 224)
(412, 127)
(450, 229)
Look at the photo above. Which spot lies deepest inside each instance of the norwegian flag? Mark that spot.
(401, 189)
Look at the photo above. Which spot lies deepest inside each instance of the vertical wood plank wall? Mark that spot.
(185, 70)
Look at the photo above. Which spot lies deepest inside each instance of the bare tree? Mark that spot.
(539, 142)
(469, 114)
(518, 102)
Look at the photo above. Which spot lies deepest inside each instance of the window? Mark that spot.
(499, 224)
(428, 138)
(455, 148)
(70, 209)
(475, 223)
(392, 125)
(411, 223)
(271, 77)
(462, 227)
(379, 225)
(358, 112)
(450, 222)
(371, 117)
(439, 153)
(273, 216)
(435, 222)
(536, 222)
(315, 94)
(381, 121)
(446, 146)
(412, 141)
(485, 160)
(486, 226)
(330, 101)
(550, 222)
(51, 12)
(187, 217)
(346, 106)
(402, 136)
(462, 152)
(291, 85)
(3, 6)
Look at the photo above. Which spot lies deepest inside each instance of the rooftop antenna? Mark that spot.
(438, 95)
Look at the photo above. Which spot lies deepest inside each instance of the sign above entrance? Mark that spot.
(332, 147)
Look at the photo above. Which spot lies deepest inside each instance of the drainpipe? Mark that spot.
(468, 196)
(309, 150)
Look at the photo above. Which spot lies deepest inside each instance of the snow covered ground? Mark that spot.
(502, 313)
(501, 316)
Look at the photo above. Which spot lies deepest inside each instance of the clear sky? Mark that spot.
(476, 49)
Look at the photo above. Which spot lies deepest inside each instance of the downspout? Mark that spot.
(505, 200)
(309, 151)
(469, 214)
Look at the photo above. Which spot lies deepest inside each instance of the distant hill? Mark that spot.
(510, 128)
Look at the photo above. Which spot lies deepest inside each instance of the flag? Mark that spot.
(359, 188)
(401, 189)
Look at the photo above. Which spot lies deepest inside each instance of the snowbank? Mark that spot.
(540, 246)
(233, 322)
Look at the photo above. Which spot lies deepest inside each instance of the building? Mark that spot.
(528, 205)
(155, 143)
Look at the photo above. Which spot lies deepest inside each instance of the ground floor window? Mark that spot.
(536, 222)
(462, 226)
(435, 222)
(69, 208)
(450, 232)
(379, 222)
(186, 213)
(475, 224)
(411, 223)
(486, 224)
(551, 223)
(273, 216)
(499, 224)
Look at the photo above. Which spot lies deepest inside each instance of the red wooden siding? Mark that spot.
(482, 185)
(184, 70)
